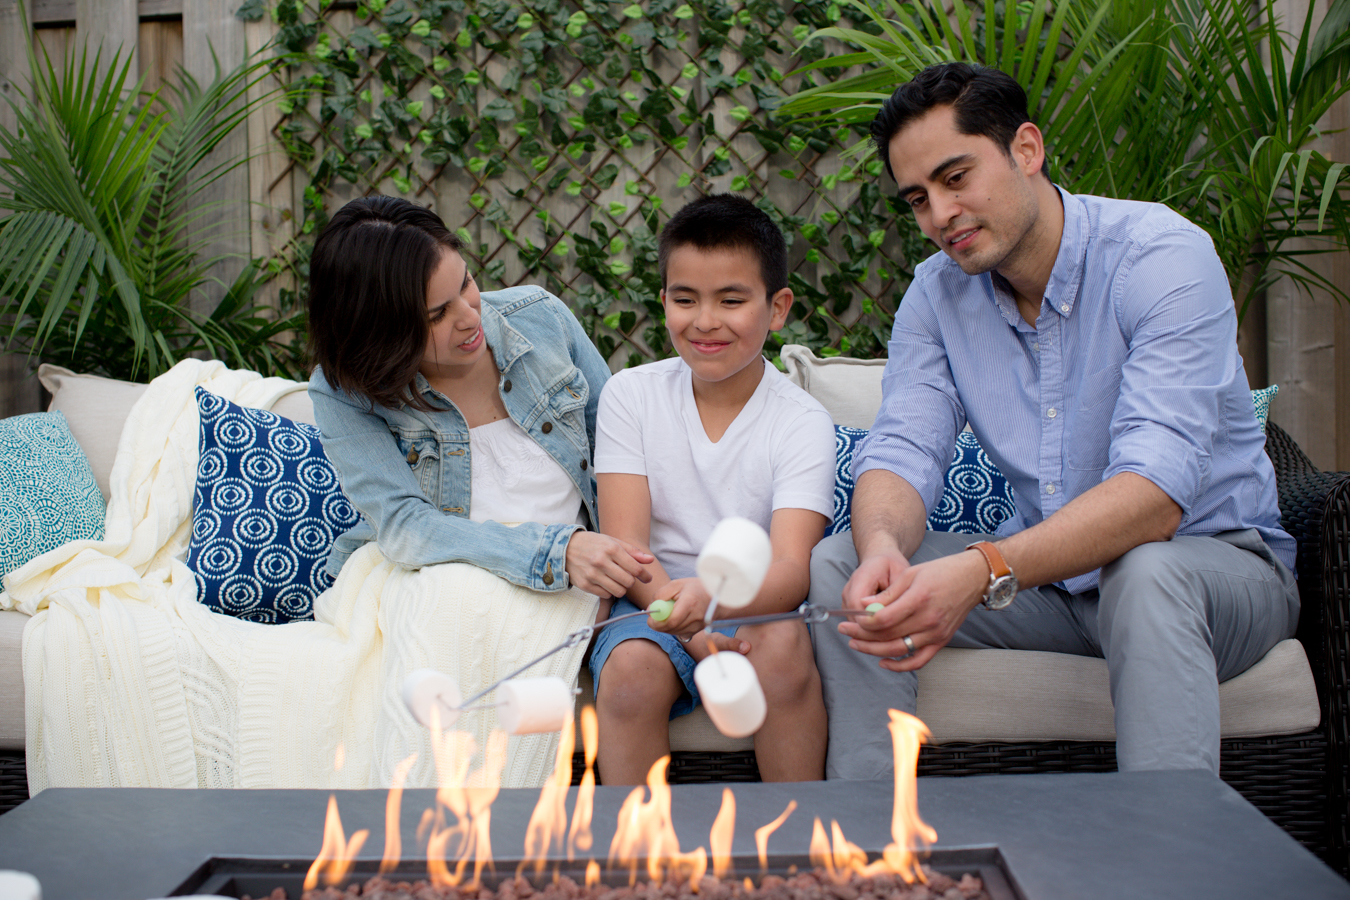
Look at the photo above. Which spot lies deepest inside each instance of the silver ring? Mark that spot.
(909, 645)
(685, 640)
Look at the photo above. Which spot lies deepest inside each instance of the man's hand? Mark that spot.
(702, 644)
(605, 566)
(875, 580)
(691, 604)
(926, 603)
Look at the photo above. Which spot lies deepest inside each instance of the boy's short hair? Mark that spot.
(728, 222)
(985, 101)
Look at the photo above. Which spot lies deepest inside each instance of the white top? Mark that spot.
(514, 480)
(778, 453)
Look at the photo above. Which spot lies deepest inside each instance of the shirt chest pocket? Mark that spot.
(1089, 432)
(567, 406)
(422, 453)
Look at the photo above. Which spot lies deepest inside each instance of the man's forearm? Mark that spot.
(1095, 528)
(888, 514)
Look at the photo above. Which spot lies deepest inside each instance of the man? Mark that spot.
(1091, 346)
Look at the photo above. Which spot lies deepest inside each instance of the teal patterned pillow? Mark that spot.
(47, 490)
(1261, 398)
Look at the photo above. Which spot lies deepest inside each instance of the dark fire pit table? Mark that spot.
(1141, 835)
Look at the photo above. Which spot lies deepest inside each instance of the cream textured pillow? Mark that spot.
(849, 389)
(96, 408)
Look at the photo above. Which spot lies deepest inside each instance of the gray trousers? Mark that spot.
(1172, 620)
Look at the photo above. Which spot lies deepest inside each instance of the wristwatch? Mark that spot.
(1002, 582)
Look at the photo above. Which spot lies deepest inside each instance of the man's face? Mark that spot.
(968, 197)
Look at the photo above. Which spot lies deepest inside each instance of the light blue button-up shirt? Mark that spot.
(1132, 366)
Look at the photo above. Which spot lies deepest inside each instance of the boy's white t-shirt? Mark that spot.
(777, 454)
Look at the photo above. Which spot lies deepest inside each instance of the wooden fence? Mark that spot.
(1300, 342)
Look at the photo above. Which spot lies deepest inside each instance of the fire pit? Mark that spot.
(259, 878)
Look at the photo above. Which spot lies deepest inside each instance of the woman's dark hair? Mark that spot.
(728, 222)
(985, 101)
(368, 281)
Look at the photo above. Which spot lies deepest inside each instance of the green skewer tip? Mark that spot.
(660, 610)
(875, 608)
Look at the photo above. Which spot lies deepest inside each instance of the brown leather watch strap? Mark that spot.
(998, 566)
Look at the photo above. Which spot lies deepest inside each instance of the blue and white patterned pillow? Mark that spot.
(47, 491)
(976, 498)
(1261, 398)
(265, 514)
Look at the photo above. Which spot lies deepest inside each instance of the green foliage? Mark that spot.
(1168, 101)
(558, 137)
(102, 251)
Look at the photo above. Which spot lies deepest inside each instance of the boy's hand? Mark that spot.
(605, 566)
(691, 603)
(702, 644)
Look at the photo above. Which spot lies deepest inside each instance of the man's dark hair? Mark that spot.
(728, 222)
(985, 101)
(368, 279)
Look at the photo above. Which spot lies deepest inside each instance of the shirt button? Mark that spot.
(546, 427)
(1051, 412)
(1049, 488)
(584, 464)
(1035, 345)
(506, 386)
(1064, 308)
(548, 574)
(412, 456)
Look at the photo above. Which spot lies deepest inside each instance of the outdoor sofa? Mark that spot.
(1286, 721)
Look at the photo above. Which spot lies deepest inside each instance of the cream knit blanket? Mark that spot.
(129, 681)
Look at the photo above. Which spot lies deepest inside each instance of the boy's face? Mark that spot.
(716, 310)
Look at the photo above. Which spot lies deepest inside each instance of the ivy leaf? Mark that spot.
(813, 255)
(739, 113)
(437, 91)
(422, 27)
(631, 188)
(463, 234)
(577, 122)
(574, 189)
(689, 70)
(618, 267)
(633, 12)
(560, 248)
(414, 108)
(681, 142)
(617, 209)
(684, 180)
(440, 64)
(617, 246)
(364, 131)
(464, 39)
(540, 163)
(477, 164)
(611, 321)
(403, 183)
(796, 144)
(876, 237)
(252, 10)
(525, 22)
(478, 201)
(499, 109)
(800, 32)
(740, 183)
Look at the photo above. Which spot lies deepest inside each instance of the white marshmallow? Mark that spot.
(425, 689)
(534, 705)
(19, 886)
(730, 691)
(734, 561)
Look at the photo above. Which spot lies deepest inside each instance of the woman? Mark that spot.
(461, 424)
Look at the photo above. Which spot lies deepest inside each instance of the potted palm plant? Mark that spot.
(104, 243)
(1208, 106)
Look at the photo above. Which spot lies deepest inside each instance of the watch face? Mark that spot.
(1001, 592)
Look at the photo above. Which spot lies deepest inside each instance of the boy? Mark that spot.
(680, 445)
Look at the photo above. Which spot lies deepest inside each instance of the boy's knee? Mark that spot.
(636, 679)
(782, 655)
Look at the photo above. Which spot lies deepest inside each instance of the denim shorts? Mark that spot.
(609, 637)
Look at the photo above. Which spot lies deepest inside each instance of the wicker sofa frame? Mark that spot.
(1299, 781)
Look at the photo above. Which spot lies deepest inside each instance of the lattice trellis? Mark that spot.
(556, 139)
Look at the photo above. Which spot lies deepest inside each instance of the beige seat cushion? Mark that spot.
(96, 409)
(1021, 695)
(849, 389)
(11, 679)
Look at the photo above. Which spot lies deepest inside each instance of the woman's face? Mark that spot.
(455, 338)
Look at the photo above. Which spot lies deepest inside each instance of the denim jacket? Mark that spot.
(407, 470)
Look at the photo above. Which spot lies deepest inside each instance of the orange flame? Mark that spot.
(719, 839)
(762, 834)
(907, 733)
(592, 873)
(841, 858)
(468, 798)
(645, 829)
(337, 854)
(393, 841)
(548, 822)
(580, 838)
(339, 757)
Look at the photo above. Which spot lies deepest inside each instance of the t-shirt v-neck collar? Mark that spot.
(694, 422)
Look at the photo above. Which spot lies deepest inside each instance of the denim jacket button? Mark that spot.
(548, 574)
(412, 456)
(584, 464)
(546, 427)
(506, 386)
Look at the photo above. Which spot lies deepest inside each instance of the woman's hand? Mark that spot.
(605, 566)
